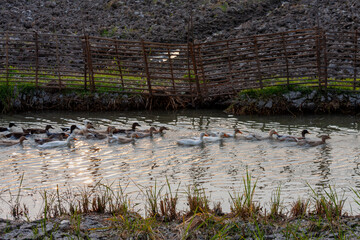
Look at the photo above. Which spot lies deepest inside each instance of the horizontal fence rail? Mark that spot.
(309, 57)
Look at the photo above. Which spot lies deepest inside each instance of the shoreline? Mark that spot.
(105, 213)
(268, 101)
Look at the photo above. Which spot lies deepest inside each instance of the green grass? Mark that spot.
(321, 216)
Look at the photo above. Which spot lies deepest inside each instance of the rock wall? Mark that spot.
(297, 102)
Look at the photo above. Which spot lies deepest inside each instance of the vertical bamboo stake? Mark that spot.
(36, 59)
(258, 62)
(355, 58)
(230, 74)
(195, 70)
(171, 70)
(58, 61)
(286, 60)
(188, 69)
(323, 34)
(7, 59)
(200, 62)
(119, 65)
(89, 63)
(318, 60)
(146, 68)
(85, 62)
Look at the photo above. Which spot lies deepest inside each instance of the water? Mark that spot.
(217, 167)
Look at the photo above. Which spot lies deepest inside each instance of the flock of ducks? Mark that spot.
(60, 139)
(118, 135)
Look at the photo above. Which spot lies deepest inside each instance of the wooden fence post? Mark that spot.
(192, 53)
(58, 61)
(119, 65)
(171, 70)
(146, 68)
(85, 60)
(230, 74)
(286, 60)
(89, 63)
(7, 59)
(256, 49)
(36, 36)
(189, 71)
(323, 34)
(355, 58)
(318, 57)
(200, 63)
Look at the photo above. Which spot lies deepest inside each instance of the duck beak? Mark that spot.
(240, 132)
(75, 139)
(206, 135)
(226, 135)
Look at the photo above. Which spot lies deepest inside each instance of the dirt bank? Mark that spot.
(167, 20)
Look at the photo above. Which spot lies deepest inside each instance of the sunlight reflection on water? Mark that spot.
(217, 167)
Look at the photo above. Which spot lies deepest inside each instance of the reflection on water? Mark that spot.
(217, 167)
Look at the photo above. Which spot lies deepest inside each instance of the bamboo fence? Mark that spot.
(310, 57)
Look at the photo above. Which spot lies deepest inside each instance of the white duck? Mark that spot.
(55, 144)
(253, 136)
(236, 131)
(219, 137)
(192, 142)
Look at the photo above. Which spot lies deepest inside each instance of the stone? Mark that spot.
(298, 102)
(269, 104)
(261, 104)
(312, 95)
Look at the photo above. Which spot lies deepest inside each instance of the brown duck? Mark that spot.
(12, 142)
(37, 130)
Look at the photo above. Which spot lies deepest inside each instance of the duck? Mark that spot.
(12, 142)
(314, 143)
(253, 136)
(219, 137)
(113, 138)
(61, 135)
(144, 134)
(107, 131)
(63, 143)
(161, 130)
(37, 130)
(16, 135)
(95, 135)
(49, 139)
(133, 128)
(192, 142)
(292, 138)
(4, 129)
(83, 130)
(236, 131)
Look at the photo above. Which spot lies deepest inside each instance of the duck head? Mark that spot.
(72, 128)
(134, 125)
(12, 125)
(48, 127)
(304, 132)
(237, 131)
(22, 139)
(272, 132)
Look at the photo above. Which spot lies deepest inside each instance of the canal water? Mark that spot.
(217, 167)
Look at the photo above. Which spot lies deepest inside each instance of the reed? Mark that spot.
(243, 204)
(276, 205)
(197, 200)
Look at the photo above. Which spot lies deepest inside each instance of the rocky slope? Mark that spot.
(168, 20)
